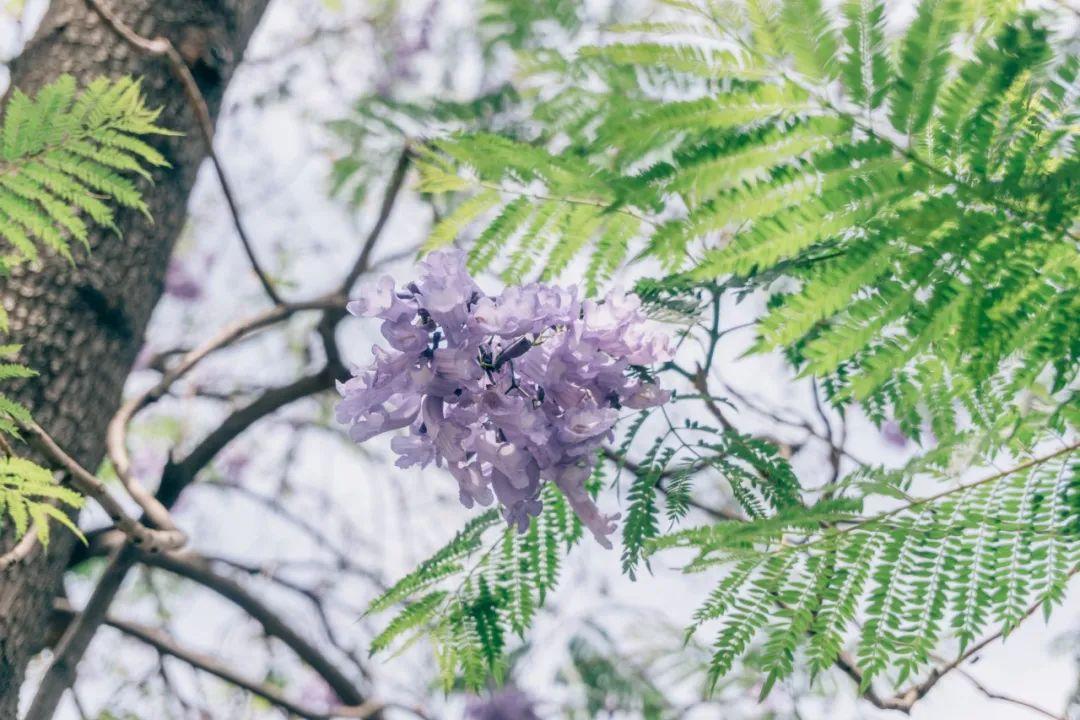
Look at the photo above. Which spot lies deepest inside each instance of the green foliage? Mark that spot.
(30, 494)
(469, 597)
(910, 208)
(642, 515)
(378, 127)
(613, 686)
(65, 159)
(540, 233)
(758, 479)
(972, 558)
(514, 23)
(927, 213)
(11, 413)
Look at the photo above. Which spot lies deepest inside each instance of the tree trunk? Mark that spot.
(82, 327)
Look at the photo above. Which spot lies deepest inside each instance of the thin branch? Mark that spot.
(314, 598)
(166, 645)
(153, 540)
(341, 559)
(197, 569)
(994, 695)
(800, 423)
(848, 666)
(116, 436)
(76, 638)
(912, 695)
(834, 447)
(701, 384)
(328, 325)
(178, 475)
(79, 707)
(21, 550)
(877, 519)
(61, 673)
(393, 189)
(163, 47)
(721, 514)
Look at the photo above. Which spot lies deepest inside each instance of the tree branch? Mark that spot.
(912, 695)
(994, 695)
(163, 47)
(164, 644)
(341, 559)
(166, 538)
(178, 476)
(20, 550)
(393, 189)
(197, 569)
(76, 638)
(116, 437)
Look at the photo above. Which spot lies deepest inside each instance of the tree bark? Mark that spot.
(82, 327)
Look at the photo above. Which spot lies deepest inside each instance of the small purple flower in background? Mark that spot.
(316, 693)
(510, 703)
(233, 465)
(181, 284)
(892, 434)
(509, 391)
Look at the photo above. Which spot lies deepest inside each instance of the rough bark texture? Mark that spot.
(82, 327)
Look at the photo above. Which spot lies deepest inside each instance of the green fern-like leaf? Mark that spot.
(472, 594)
(66, 154)
(958, 560)
(30, 494)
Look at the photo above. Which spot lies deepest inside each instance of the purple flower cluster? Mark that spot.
(510, 703)
(509, 391)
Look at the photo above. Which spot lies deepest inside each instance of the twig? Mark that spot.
(721, 514)
(912, 695)
(168, 537)
(994, 695)
(848, 666)
(116, 435)
(174, 480)
(393, 189)
(701, 384)
(835, 449)
(79, 708)
(341, 559)
(21, 550)
(73, 643)
(1032, 462)
(328, 325)
(164, 644)
(197, 569)
(162, 47)
(801, 423)
(178, 475)
(317, 601)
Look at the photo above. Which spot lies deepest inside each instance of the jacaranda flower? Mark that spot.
(507, 391)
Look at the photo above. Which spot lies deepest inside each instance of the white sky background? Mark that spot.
(272, 140)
